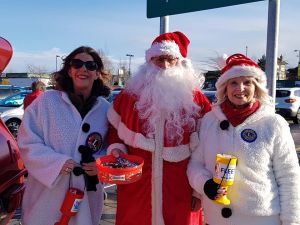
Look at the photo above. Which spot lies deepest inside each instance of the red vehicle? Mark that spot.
(12, 170)
(12, 173)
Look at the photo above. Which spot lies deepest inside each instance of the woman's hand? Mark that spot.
(221, 192)
(213, 190)
(116, 152)
(68, 167)
(196, 204)
(90, 168)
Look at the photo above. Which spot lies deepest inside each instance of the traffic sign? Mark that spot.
(159, 8)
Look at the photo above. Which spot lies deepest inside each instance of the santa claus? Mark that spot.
(156, 117)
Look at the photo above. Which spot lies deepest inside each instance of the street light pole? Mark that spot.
(298, 74)
(298, 55)
(246, 50)
(57, 56)
(129, 55)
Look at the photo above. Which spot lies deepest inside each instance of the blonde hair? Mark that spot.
(261, 92)
(40, 86)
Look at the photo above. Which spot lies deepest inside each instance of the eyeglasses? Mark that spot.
(90, 65)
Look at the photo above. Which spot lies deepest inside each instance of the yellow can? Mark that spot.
(224, 169)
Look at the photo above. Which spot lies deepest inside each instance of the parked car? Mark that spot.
(288, 103)
(113, 95)
(12, 174)
(12, 110)
(7, 90)
(211, 95)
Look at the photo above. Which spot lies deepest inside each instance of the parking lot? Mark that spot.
(109, 210)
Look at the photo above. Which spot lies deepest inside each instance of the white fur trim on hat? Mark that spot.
(163, 48)
(242, 71)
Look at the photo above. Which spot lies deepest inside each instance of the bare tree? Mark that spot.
(108, 64)
(36, 69)
(108, 68)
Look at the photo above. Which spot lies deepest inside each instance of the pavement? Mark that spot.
(110, 206)
(109, 210)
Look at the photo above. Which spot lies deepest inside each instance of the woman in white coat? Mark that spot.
(60, 132)
(243, 123)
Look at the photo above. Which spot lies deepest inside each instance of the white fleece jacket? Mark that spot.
(266, 189)
(50, 134)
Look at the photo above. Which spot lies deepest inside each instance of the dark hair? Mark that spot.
(33, 86)
(64, 81)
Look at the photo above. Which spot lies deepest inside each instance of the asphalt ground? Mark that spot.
(109, 210)
(110, 206)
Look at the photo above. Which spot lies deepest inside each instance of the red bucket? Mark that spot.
(119, 175)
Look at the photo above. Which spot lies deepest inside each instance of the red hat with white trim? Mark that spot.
(239, 65)
(173, 44)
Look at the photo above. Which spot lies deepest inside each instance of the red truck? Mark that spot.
(12, 171)
(12, 174)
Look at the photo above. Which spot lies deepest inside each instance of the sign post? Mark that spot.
(272, 46)
(159, 8)
(164, 24)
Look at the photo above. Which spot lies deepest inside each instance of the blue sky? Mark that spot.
(41, 29)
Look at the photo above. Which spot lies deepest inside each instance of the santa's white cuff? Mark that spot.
(119, 146)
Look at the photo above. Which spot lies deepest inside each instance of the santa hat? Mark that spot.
(239, 65)
(173, 44)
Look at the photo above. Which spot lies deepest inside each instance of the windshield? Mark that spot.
(282, 93)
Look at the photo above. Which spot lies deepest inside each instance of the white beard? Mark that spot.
(169, 93)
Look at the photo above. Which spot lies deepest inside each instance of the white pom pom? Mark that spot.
(186, 63)
(221, 61)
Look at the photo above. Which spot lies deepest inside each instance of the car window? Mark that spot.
(4, 93)
(211, 95)
(113, 95)
(15, 90)
(282, 93)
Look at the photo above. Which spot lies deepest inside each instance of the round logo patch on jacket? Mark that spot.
(94, 141)
(248, 135)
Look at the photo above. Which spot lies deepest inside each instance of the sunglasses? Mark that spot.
(89, 65)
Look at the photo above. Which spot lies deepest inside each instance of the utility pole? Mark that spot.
(298, 74)
(57, 56)
(129, 70)
(272, 46)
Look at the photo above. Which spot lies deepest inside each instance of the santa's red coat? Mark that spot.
(163, 195)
